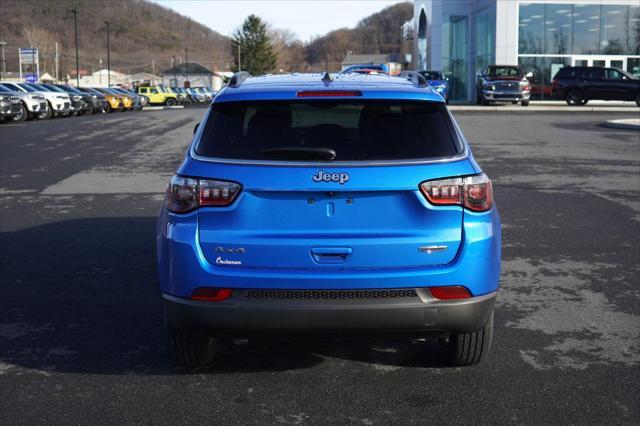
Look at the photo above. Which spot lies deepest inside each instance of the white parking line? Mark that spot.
(100, 182)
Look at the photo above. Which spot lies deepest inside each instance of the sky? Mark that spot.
(306, 18)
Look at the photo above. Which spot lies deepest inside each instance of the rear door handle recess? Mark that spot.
(331, 254)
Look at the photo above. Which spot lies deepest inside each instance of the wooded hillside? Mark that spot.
(145, 34)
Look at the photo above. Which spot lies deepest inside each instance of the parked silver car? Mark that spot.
(31, 105)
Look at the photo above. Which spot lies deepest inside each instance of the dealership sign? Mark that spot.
(28, 55)
(29, 63)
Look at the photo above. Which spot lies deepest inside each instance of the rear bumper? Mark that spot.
(240, 313)
(183, 266)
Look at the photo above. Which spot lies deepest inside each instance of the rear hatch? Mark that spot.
(329, 184)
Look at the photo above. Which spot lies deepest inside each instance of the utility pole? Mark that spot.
(57, 63)
(4, 64)
(186, 67)
(108, 57)
(173, 65)
(153, 66)
(239, 66)
(33, 64)
(75, 23)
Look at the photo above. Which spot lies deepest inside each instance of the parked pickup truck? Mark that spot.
(158, 95)
(503, 83)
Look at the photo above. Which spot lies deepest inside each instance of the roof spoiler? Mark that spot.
(238, 78)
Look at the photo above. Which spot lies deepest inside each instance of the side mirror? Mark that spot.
(529, 74)
(195, 128)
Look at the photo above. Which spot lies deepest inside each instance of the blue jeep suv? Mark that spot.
(328, 203)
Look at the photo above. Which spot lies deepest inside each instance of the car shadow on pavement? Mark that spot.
(81, 296)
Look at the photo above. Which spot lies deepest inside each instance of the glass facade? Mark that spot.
(485, 38)
(553, 35)
(588, 29)
(455, 53)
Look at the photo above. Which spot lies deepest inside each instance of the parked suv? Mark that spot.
(32, 105)
(503, 83)
(158, 95)
(10, 106)
(57, 103)
(578, 85)
(438, 81)
(344, 203)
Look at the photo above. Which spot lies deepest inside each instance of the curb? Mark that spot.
(631, 124)
(159, 108)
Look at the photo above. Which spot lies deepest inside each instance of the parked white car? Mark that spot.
(58, 103)
(33, 105)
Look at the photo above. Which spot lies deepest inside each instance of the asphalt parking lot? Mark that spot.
(81, 338)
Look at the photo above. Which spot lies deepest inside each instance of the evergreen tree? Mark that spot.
(256, 53)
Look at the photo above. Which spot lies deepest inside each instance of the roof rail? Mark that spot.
(238, 78)
(417, 79)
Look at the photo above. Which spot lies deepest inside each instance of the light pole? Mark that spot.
(108, 57)
(186, 67)
(175, 77)
(4, 64)
(75, 23)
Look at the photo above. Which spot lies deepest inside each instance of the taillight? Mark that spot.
(217, 193)
(185, 194)
(211, 294)
(473, 192)
(450, 292)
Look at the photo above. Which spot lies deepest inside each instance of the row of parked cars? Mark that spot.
(162, 95)
(25, 101)
(509, 83)
(575, 85)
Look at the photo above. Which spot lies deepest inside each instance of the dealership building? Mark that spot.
(460, 37)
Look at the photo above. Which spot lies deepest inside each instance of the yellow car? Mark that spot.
(158, 95)
(115, 102)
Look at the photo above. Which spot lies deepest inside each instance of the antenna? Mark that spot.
(326, 78)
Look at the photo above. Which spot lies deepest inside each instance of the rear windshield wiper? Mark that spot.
(301, 153)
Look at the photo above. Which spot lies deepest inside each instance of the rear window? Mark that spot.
(567, 72)
(353, 130)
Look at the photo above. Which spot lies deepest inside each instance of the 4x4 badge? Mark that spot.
(321, 176)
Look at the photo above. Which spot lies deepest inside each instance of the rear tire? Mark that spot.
(470, 348)
(525, 103)
(170, 102)
(190, 349)
(575, 98)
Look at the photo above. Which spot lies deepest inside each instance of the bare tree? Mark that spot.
(290, 51)
(44, 41)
